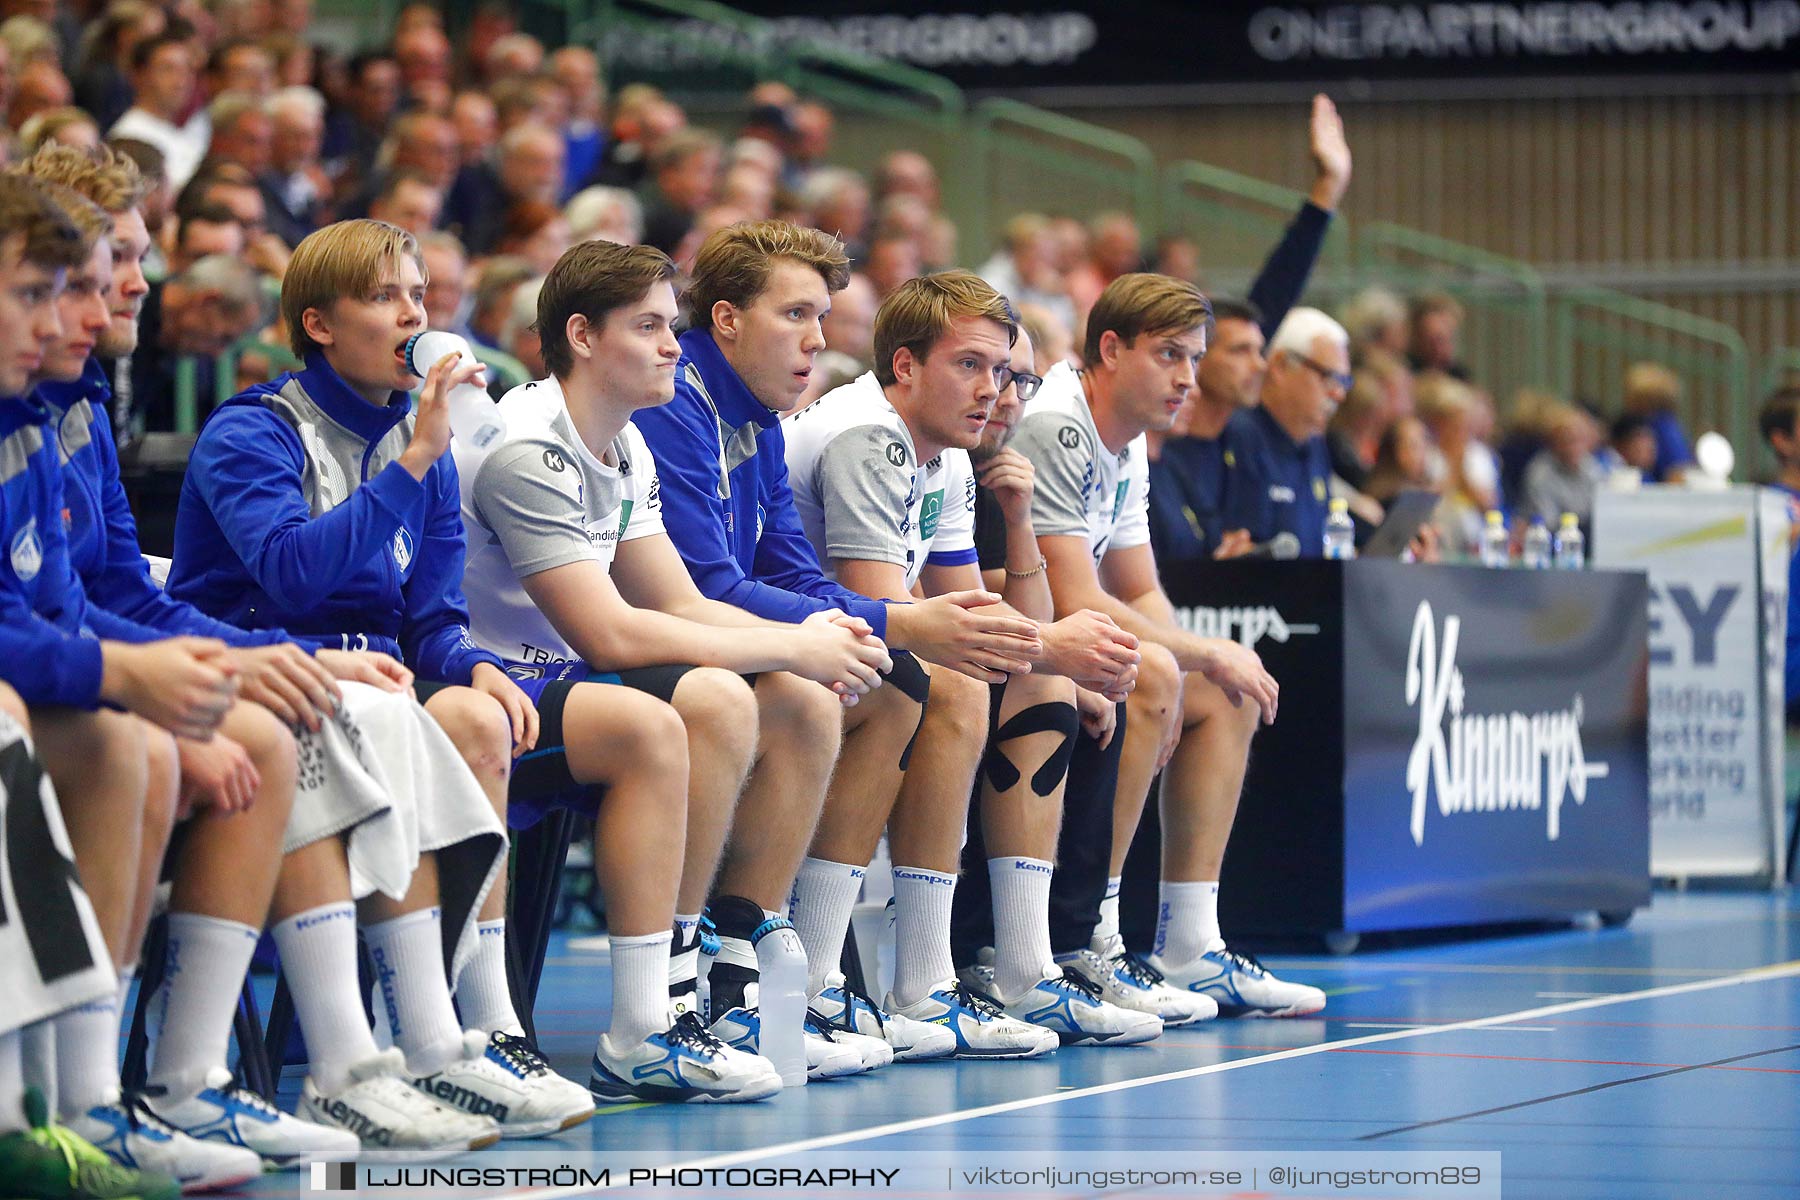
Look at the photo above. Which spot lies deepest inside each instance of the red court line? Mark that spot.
(1553, 1021)
(1585, 1062)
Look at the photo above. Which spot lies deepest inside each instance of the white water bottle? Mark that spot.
(475, 419)
(781, 999)
(1536, 553)
(1340, 533)
(1571, 546)
(1496, 549)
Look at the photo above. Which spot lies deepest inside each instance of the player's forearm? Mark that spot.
(1027, 585)
(643, 638)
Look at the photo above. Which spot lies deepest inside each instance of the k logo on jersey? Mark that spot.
(895, 454)
(1069, 437)
(27, 552)
(554, 460)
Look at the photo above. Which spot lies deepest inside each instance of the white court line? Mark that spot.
(1571, 995)
(735, 1158)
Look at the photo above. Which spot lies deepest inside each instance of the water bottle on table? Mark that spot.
(1496, 546)
(1536, 553)
(1340, 534)
(475, 419)
(1571, 546)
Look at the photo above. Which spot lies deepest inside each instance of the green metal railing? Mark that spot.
(1236, 220)
(1025, 158)
(1599, 333)
(1505, 334)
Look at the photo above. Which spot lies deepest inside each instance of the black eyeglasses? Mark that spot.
(1339, 379)
(1025, 383)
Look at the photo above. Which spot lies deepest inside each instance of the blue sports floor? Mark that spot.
(1661, 1059)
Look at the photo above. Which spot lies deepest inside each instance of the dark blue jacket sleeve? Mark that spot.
(248, 466)
(1283, 277)
(435, 632)
(1247, 490)
(123, 586)
(694, 516)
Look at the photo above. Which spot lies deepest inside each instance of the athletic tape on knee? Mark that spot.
(1039, 718)
(915, 684)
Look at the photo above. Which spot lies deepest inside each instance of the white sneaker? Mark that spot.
(387, 1113)
(910, 1040)
(1065, 1003)
(134, 1137)
(827, 1055)
(686, 1063)
(1128, 981)
(224, 1112)
(1241, 986)
(504, 1077)
(980, 1028)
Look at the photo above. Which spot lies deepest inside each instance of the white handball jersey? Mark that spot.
(862, 492)
(539, 499)
(1083, 489)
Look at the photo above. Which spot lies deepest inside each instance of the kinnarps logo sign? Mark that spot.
(1485, 762)
(1246, 626)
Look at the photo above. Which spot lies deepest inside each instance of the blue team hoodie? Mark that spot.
(296, 513)
(102, 533)
(722, 462)
(48, 647)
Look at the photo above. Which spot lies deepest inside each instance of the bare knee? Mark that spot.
(478, 727)
(799, 713)
(958, 701)
(162, 771)
(1028, 691)
(1158, 683)
(720, 710)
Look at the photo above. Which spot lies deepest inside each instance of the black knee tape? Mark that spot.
(910, 676)
(1039, 718)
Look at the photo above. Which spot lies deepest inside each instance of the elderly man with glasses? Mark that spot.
(1277, 466)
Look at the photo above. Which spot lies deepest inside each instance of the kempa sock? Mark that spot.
(87, 1054)
(413, 991)
(1187, 921)
(318, 959)
(202, 978)
(482, 996)
(1109, 911)
(921, 932)
(640, 989)
(1022, 954)
(823, 896)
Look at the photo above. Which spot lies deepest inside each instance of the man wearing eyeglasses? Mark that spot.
(1278, 468)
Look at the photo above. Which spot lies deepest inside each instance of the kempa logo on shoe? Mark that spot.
(1247, 626)
(1489, 762)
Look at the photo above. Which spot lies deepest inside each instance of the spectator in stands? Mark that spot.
(535, 98)
(205, 227)
(477, 126)
(814, 125)
(536, 232)
(577, 69)
(1279, 480)
(1025, 270)
(1052, 339)
(1402, 461)
(1779, 422)
(423, 52)
(446, 295)
(939, 249)
(354, 134)
(1448, 407)
(849, 327)
(838, 200)
(684, 178)
(893, 258)
(1376, 321)
(1177, 256)
(296, 185)
(750, 189)
(641, 117)
(408, 199)
(909, 173)
(519, 336)
(240, 66)
(515, 56)
(1434, 326)
(529, 166)
(242, 131)
(162, 84)
(295, 61)
(101, 74)
(1564, 475)
(1653, 391)
(1632, 445)
(1115, 248)
(607, 213)
(62, 126)
(419, 141)
(495, 282)
(41, 87)
(1354, 435)
(235, 188)
(196, 313)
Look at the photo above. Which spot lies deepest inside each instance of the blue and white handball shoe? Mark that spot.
(850, 1011)
(504, 1078)
(1241, 986)
(981, 1029)
(684, 1064)
(1066, 1004)
(829, 1054)
(235, 1116)
(131, 1135)
(1128, 981)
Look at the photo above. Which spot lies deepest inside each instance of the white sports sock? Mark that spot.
(12, 1083)
(640, 989)
(921, 932)
(87, 1054)
(1109, 910)
(823, 895)
(481, 992)
(1022, 953)
(207, 958)
(318, 959)
(1187, 921)
(412, 989)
